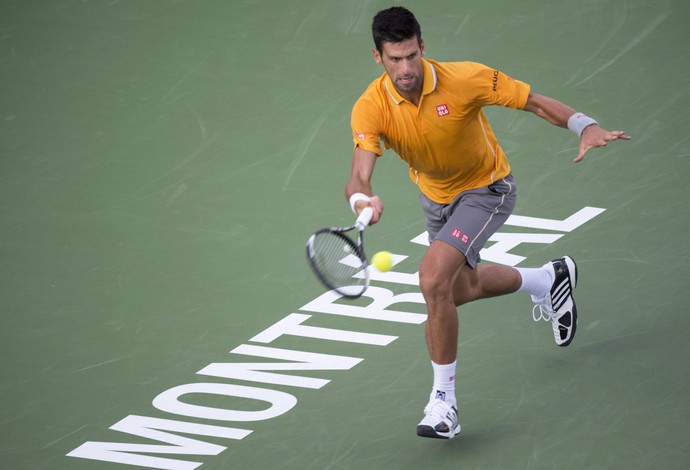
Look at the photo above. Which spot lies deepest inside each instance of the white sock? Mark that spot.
(444, 382)
(535, 281)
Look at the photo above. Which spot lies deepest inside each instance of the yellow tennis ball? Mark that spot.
(383, 260)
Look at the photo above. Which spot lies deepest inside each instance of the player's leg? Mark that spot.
(448, 271)
(446, 281)
(551, 288)
(485, 281)
(438, 271)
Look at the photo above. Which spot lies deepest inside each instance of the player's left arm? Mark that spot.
(558, 114)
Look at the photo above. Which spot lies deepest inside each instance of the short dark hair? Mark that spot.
(394, 25)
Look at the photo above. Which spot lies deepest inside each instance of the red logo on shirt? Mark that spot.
(360, 135)
(442, 110)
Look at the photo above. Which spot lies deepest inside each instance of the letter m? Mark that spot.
(152, 428)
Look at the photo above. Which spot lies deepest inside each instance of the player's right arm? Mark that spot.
(362, 169)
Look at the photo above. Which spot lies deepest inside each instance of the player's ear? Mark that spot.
(421, 46)
(377, 56)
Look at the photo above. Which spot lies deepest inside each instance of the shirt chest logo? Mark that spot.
(442, 110)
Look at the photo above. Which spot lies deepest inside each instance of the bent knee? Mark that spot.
(435, 284)
(439, 271)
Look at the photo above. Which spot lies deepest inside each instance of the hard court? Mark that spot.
(162, 164)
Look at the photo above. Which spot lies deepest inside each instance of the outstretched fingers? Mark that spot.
(595, 136)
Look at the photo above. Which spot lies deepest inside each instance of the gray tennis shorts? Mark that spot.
(471, 218)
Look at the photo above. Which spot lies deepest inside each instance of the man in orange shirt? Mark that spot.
(430, 114)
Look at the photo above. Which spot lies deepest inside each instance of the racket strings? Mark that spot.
(338, 260)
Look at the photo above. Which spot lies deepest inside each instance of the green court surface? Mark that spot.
(163, 163)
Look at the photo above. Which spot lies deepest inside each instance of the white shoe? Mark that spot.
(558, 306)
(440, 420)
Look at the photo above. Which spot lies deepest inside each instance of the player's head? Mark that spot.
(395, 25)
(400, 48)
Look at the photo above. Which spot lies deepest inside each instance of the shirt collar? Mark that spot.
(429, 83)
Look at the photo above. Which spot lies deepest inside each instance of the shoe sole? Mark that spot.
(428, 431)
(572, 268)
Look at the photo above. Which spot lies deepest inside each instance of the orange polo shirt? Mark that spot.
(446, 140)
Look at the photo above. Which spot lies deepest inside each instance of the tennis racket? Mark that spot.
(337, 260)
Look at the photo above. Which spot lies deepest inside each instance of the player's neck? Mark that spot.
(413, 98)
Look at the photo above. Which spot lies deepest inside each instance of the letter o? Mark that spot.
(169, 402)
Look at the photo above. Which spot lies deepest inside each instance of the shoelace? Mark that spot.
(544, 313)
(437, 409)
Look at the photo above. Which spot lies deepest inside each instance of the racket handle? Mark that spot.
(364, 218)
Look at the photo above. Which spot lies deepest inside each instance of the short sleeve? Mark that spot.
(492, 87)
(366, 126)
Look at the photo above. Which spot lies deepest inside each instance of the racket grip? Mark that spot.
(364, 218)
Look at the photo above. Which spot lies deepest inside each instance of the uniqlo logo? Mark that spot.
(360, 135)
(442, 110)
(462, 236)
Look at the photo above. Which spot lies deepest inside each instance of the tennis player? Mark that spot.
(430, 114)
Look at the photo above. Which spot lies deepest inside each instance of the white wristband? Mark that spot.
(578, 122)
(357, 197)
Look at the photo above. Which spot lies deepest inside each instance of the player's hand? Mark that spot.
(595, 136)
(375, 203)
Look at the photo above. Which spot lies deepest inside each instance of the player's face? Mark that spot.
(403, 64)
